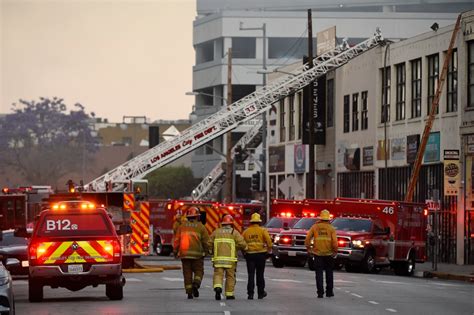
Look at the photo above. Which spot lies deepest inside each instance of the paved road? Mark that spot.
(290, 291)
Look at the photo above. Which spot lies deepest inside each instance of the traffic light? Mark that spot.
(256, 182)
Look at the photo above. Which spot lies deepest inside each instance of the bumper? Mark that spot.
(290, 253)
(350, 255)
(102, 270)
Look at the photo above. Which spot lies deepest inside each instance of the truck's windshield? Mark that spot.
(305, 223)
(277, 223)
(350, 224)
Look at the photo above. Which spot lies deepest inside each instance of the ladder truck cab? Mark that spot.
(288, 245)
(376, 233)
(246, 210)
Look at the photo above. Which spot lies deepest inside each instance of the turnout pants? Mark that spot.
(193, 271)
(255, 263)
(229, 274)
(324, 263)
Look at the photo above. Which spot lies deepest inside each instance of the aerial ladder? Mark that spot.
(228, 118)
(429, 123)
(212, 183)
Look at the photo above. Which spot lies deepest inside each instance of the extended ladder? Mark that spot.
(212, 183)
(230, 117)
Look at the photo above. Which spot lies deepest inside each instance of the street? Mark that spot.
(291, 290)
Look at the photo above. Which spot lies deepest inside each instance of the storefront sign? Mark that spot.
(318, 90)
(398, 149)
(413, 143)
(432, 150)
(368, 156)
(276, 159)
(300, 158)
(452, 172)
(381, 149)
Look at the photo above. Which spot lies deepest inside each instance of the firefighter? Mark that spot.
(324, 250)
(191, 245)
(224, 244)
(259, 245)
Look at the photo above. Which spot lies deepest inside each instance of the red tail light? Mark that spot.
(425, 212)
(36, 251)
(117, 251)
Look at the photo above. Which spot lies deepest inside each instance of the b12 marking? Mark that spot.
(61, 225)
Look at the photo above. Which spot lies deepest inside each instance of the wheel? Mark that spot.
(158, 247)
(114, 291)
(35, 291)
(410, 266)
(368, 264)
(277, 263)
(311, 265)
(302, 263)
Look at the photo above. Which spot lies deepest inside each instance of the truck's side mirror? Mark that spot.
(22, 232)
(387, 230)
(124, 229)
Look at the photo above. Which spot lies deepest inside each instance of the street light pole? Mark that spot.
(229, 174)
(263, 158)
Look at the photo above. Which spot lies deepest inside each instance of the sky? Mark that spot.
(116, 57)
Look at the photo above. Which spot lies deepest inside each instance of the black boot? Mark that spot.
(262, 295)
(195, 290)
(190, 296)
(218, 293)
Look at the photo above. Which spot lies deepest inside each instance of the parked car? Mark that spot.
(7, 301)
(12, 246)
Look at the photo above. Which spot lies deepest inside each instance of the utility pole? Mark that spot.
(310, 178)
(229, 174)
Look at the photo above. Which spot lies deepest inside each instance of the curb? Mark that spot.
(445, 276)
(162, 267)
(142, 270)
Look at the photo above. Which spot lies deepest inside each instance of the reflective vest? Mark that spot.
(224, 243)
(324, 239)
(191, 240)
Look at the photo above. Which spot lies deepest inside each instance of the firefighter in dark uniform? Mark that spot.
(191, 245)
(324, 249)
(259, 245)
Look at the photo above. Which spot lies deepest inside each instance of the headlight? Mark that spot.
(4, 281)
(357, 243)
(277, 238)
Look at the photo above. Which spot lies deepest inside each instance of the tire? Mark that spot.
(158, 248)
(368, 264)
(114, 291)
(35, 291)
(277, 263)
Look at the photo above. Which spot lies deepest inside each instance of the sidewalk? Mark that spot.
(446, 271)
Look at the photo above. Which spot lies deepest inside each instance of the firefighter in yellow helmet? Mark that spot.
(324, 250)
(191, 245)
(259, 243)
(224, 244)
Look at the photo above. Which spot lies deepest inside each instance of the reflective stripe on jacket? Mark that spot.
(191, 240)
(324, 237)
(257, 239)
(224, 243)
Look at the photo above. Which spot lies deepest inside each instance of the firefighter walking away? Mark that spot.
(324, 248)
(224, 244)
(259, 245)
(191, 245)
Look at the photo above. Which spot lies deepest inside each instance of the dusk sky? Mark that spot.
(115, 57)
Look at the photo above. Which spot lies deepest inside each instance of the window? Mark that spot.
(288, 47)
(243, 47)
(205, 52)
(347, 114)
(282, 120)
(330, 103)
(416, 88)
(364, 119)
(385, 114)
(452, 84)
(291, 124)
(433, 71)
(355, 112)
(401, 91)
(470, 74)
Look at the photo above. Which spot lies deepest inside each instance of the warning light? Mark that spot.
(312, 215)
(425, 212)
(5, 190)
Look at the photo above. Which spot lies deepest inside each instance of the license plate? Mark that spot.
(291, 253)
(25, 263)
(74, 268)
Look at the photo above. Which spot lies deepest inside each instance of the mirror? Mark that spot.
(12, 262)
(22, 232)
(124, 229)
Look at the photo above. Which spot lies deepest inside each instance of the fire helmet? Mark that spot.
(192, 212)
(255, 218)
(227, 219)
(324, 215)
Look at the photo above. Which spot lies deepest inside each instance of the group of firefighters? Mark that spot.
(192, 243)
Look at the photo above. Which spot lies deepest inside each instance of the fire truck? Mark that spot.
(373, 234)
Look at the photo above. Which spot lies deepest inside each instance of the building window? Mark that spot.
(433, 71)
(401, 80)
(291, 124)
(364, 119)
(204, 52)
(243, 47)
(385, 114)
(298, 114)
(347, 114)
(330, 103)
(452, 84)
(282, 120)
(355, 112)
(416, 88)
(470, 74)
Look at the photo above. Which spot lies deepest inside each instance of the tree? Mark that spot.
(43, 142)
(171, 182)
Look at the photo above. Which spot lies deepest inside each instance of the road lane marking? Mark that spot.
(343, 281)
(391, 310)
(347, 291)
(17, 282)
(387, 282)
(286, 280)
(373, 302)
(240, 279)
(446, 284)
(357, 295)
(226, 312)
(338, 288)
(133, 280)
(172, 279)
(222, 304)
